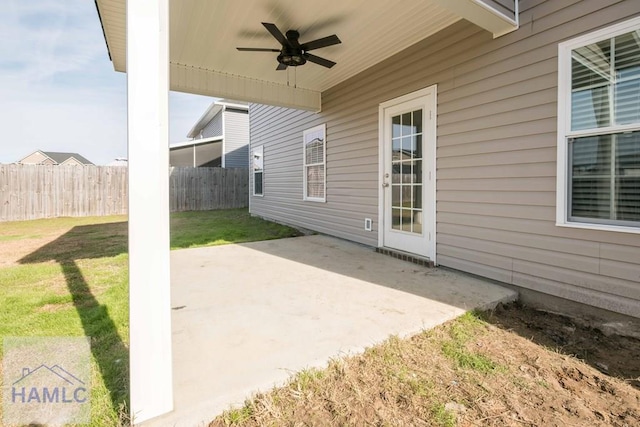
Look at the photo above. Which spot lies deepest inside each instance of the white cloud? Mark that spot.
(48, 37)
(58, 90)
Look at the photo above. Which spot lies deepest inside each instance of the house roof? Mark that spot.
(215, 108)
(62, 157)
(59, 157)
(204, 34)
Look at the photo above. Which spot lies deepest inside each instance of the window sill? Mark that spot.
(312, 199)
(600, 227)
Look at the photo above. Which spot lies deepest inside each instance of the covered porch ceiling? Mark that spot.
(204, 35)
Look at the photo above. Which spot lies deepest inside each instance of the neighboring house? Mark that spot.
(220, 138)
(514, 158)
(54, 158)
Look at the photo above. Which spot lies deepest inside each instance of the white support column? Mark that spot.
(149, 282)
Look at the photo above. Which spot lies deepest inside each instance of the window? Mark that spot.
(314, 163)
(257, 164)
(599, 129)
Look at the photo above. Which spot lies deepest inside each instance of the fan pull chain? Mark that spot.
(295, 77)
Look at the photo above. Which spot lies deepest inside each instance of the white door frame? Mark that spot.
(429, 163)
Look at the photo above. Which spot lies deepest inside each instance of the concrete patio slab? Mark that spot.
(248, 316)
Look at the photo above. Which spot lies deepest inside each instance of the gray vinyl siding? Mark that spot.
(496, 156)
(236, 139)
(214, 127)
(351, 169)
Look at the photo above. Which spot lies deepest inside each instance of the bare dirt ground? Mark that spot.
(614, 355)
(514, 366)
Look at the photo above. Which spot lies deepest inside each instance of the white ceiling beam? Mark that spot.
(201, 81)
(481, 13)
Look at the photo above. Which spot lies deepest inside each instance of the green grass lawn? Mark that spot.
(68, 277)
(195, 229)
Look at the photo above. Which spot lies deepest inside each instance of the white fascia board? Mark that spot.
(196, 142)
(206, 117)
(200, 81)
(231, 104)
(483, 15)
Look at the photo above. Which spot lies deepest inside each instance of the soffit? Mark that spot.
(204, 35)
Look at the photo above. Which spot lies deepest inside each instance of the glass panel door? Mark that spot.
(406, 171)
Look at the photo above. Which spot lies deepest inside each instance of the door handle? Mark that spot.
(385, 184)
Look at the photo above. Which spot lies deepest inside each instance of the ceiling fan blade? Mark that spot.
(323, 42)
(276, 33)
(256, 49)
(281, 67)
(320, 61)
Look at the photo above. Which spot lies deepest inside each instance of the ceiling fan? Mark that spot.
(293, 53)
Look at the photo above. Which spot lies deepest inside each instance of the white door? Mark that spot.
(407, 140)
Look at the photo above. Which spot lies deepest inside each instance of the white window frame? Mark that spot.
(259, 151)
(564, 124)
(314, 129)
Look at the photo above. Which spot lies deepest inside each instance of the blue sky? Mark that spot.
(58, 90)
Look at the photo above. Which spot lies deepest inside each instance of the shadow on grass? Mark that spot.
(107, 347)
(109, 240)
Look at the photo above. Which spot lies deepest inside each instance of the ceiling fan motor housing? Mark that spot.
(292, 55)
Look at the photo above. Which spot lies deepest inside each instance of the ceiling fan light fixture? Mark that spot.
(291, 60)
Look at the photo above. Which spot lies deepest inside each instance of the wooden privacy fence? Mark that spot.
(46, 191)
(204, 189)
